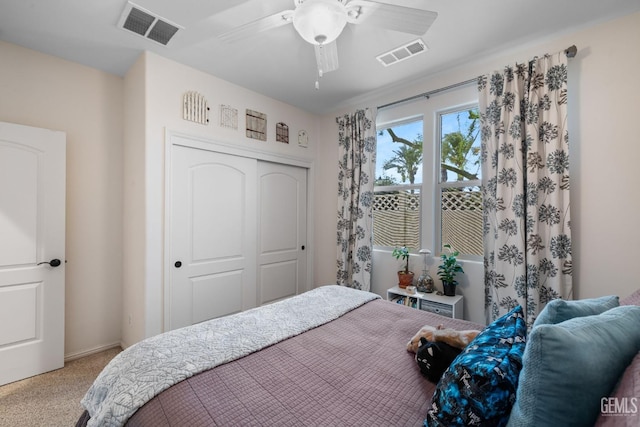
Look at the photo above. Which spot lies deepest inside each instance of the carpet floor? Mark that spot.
(51, 399)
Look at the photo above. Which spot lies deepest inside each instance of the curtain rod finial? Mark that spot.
(571, 51)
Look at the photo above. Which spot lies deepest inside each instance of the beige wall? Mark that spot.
(604, 97)
(134, 206)
(48, 92)
(605, 144)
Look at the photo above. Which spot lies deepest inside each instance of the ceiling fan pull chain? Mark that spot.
(318, 79)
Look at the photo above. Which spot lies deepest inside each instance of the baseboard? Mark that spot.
(79, 355)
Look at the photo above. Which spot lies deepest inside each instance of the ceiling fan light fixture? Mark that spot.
(320, 21)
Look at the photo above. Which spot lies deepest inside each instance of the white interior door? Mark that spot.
(32, 230)
(282, 225)
(212, 228)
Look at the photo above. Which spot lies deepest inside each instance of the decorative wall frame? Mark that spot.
(303, 138)
(282, 132)
(228, 117)
(195, 108)
(256, 125)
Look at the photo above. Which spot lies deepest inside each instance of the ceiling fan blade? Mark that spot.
(391, 17)
(252, 28)
(327, 57)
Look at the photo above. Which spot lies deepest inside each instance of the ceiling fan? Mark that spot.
(320, 22)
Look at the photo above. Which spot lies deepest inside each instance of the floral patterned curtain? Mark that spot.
(356, 175)
(525, 172)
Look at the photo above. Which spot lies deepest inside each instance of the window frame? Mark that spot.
(403, 187)
(439, 185)
(427, 109)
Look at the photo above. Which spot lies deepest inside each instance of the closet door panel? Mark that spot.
(282, 256)
(214, 211)
(214, 289)
(278, 280)
(212, 230)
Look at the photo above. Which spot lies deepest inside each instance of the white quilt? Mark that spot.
(145, 369)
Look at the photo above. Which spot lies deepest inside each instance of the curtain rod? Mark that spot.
(570, 52)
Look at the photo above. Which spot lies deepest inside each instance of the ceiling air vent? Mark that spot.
(401, 53)
(146, 24)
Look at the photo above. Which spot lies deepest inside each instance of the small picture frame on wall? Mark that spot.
(256, 125)
(195, 108)
(228, 117)
(303, 138)
(282, 132)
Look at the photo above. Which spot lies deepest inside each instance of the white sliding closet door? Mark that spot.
(282, 226)
(212, 232)
(235, 230)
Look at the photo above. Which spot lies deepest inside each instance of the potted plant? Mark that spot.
(405, 277)
(448, 269)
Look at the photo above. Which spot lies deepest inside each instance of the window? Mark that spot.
(428, 183)
(396, 207)
(459, 183)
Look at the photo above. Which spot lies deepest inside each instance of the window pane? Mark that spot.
(396, 218)
(460, 146)
(462, 219)
(399, 154)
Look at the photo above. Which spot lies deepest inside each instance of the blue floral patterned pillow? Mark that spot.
(480, 385)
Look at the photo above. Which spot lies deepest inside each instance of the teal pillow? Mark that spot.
(480, 384)
(570, 366)
(559, 310)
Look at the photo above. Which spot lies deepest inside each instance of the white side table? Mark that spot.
(439, 304)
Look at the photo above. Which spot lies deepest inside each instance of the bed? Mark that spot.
(336, 358)
(352, 370)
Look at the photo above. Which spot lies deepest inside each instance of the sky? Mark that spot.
(410, 131)
(386, 146)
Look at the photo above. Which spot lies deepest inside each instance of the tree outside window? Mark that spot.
(459, 186)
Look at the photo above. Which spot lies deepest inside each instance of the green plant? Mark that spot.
(449, 267)
(407, 159)
(404, 254)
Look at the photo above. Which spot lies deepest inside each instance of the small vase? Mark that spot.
(425, 283)
(449, 289)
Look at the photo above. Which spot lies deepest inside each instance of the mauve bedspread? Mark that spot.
(351, 371)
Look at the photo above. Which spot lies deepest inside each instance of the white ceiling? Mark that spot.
(278, 63)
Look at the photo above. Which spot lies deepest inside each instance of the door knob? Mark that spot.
(178, 264)
(53, 263)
